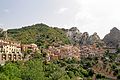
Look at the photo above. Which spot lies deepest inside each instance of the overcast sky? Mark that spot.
(88, 15)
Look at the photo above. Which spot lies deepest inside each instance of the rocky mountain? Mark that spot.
(94, 39)
(82, 38)
(74, 35)
(113, 38)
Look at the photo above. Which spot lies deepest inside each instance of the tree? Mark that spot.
(3, 77)
(33, 70)
(118, 77)
(70, 74)
(98, 76)
(91, 72)
(12, 71)
(118, 50)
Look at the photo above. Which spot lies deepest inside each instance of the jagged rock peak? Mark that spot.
(85, 34)
(77, 37)
(74, 29)
(95, 33)
(114, 30)
(113, 38)
(94, 39)
(74, 34)
(84, 38)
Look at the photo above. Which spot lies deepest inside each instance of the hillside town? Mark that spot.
(12, 51)
(70, 51)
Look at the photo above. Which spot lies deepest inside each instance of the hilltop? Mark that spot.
(40, 34)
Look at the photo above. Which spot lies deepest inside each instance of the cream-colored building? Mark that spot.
(32, 47)
(10, 50)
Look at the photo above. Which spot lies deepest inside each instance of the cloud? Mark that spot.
(6, 10)
(97, 15)
(1, 24)
(62, 10)
(83, 18)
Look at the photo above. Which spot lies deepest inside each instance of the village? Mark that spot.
(13, 51)
(70, 51)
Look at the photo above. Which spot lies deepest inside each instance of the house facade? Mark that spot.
(32, 47)
(10, 50)
(13, 51)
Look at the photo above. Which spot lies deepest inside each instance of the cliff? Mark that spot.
(113, 38)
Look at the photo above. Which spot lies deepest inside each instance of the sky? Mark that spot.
(88, 15)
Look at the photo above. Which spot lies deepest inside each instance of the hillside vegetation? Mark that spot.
(40, 34)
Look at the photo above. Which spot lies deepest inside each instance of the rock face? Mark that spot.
(74, 35)
(1, 32)
(94, 39)
(113, 38)
(77, 37)
(84, 38)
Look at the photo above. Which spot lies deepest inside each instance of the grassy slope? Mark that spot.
(39, 33)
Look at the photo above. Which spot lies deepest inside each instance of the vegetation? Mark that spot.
(40, 34)
(36, 69)
(113, 60)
